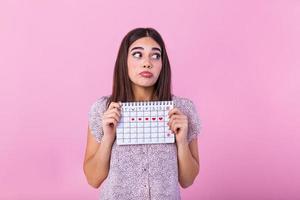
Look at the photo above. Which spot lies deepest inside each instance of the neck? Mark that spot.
(143, 93)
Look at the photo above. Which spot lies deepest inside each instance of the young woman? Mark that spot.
(144, 171)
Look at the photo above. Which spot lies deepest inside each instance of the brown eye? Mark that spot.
(156, 56)
(137, 54)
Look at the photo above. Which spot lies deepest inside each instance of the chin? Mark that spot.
(145, 84)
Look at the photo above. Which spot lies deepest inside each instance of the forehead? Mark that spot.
(146, 42)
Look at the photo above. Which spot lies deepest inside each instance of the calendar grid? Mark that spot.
(144, 123)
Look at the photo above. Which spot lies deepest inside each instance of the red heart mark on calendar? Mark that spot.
(140, 119)
(132, 119)
(146, 118)
(153, 118)
(160, 118)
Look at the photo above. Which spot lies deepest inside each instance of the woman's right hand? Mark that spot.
(110, 119)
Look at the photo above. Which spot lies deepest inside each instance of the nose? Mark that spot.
(147, 63)
(147, 66)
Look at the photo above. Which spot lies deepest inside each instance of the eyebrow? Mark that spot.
(153, 48)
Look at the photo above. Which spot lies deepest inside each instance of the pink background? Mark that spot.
(237, 60)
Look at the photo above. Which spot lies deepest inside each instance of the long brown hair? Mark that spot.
(122, 88)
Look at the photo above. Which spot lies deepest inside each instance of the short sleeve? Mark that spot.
(194, 124)
(95, 118)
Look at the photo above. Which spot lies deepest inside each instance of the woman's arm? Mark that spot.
(97, 159)
(188, 162)
(97, 156)
(188, 159)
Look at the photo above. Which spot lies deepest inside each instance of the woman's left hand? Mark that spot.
(178, 124)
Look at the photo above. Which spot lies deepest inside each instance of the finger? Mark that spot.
(113, 110)
(177, 126)
(174, 127)
(176, 117)
(175, 111)
(114, 105)
(112, 115)
(178, 122)
(172, 119)
(111, 121)
(171, 125)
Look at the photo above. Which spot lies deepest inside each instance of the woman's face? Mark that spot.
(144, 62)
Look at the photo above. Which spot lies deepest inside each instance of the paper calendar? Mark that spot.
(144, 123)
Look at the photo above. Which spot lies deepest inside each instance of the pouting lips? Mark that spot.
(146, 74)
